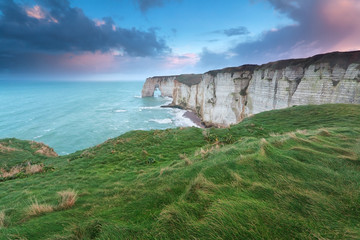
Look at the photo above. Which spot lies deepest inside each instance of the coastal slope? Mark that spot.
(224, 97)
(283, 174)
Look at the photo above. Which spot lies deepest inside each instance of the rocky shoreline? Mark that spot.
(189, 114)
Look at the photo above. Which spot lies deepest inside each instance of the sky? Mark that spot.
(110, 40)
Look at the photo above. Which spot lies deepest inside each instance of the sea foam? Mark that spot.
(162, 121)
(181, 121)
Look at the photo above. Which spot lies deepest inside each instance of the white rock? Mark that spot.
(227, 96)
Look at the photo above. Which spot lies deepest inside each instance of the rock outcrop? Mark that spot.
(226, 96)
(43, 149)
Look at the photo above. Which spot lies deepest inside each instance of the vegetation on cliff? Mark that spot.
(291, 173)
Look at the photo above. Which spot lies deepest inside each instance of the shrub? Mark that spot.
(150, 160)
(228, 139)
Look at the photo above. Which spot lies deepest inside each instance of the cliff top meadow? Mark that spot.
(290, 173)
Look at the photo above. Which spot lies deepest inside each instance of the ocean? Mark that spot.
(71, 116)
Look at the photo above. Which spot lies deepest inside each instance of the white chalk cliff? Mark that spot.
(226, 96)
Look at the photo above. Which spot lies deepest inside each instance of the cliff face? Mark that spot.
(226, 96)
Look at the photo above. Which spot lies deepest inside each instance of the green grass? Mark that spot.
(15, 152)
(284, 174)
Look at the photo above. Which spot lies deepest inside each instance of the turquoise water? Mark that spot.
(74, 116)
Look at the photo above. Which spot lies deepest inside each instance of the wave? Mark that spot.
(39, 136)
(120, 111)
(137, 96)
(150, 108)
(168, 100)
(181, 121)
(162, 121)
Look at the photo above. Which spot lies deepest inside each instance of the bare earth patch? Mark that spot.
(44, 149)
(7, 149)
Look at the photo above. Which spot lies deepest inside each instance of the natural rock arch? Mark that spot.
(157, 91)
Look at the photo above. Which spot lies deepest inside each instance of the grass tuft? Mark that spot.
(16, 170)
(36, 209)
(184, 157)
(67, 199)
(263, 145)
(324, 132)
(35, 168)
(163, 170)
(2, 219)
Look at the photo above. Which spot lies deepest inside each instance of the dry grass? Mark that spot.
(187, 161)
(324, 132)
(36, 209)
(36, 168)
(263, 144)
(123, 140)
(303, 132)
(13, 171)
(46, 151)
(205, 152)
(237, 179)
(200, 189)
(7, 149)
(87, 153)
(30, 169)
(2, 219)
(292, 135)
(67, 199)
(165, 169)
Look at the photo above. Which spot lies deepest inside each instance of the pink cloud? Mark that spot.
(88, 61)
(344, 17)
(53, 20)
(188, 59)
(38, 13)
(35, 12)
(341, 13)
(99, 22)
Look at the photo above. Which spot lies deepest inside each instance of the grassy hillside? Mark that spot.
(283, 174)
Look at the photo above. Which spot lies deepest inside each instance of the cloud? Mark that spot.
(236, 31)
(52, 28)
(320, 26)
(181, 61)
(145, 5)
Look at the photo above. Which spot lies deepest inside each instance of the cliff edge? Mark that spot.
(226, 96)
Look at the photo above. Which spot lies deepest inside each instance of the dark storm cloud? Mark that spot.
(145, 5)
(320, 26)
(54, 27)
